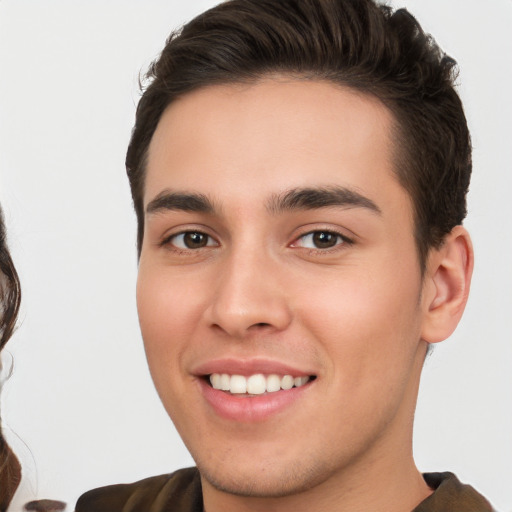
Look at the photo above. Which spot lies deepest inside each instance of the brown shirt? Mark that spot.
(181, 492)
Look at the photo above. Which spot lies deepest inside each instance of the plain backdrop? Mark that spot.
(80, 408)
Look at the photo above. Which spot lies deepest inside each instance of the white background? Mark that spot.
(80, 408)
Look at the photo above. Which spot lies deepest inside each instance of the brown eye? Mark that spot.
(195, 240)
(324, 239)
(320, 240)
(192, 240)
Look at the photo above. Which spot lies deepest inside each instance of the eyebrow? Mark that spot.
(308, 198)
(180, 201)
(323, 197)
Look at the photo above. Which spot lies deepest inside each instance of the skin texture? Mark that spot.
(357, 315)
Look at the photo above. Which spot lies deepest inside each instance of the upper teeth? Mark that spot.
(255, 384)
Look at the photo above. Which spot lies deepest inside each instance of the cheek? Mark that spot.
(368, 323)
(167, 315)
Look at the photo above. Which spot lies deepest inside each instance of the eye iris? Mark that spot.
(195, 240)
(324, 239)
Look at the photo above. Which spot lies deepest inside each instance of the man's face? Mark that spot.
(280, 245)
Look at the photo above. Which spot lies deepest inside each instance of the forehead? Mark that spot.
(243, 140)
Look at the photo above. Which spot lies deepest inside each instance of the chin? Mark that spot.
(267, 481)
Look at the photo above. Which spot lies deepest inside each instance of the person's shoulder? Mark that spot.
(450, 494)
(178, 491)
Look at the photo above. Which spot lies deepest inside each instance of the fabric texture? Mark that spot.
(176, 492)
(451, 496)
(181, 492)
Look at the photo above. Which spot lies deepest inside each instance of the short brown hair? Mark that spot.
(355, 43)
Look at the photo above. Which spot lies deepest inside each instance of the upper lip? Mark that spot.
(248, 367)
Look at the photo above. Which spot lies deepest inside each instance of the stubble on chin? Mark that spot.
(264, 483)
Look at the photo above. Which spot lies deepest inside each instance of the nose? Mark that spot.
(249, 297)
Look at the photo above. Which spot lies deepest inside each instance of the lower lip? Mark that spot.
(250, 409)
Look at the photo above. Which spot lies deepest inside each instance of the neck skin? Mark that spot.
(383, 479)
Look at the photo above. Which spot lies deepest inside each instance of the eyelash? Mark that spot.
(341, 240)
(168, 241)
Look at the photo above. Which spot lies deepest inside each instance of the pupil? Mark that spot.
(195, 240)
(323, 239)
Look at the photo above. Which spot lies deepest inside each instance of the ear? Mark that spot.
(446, 285)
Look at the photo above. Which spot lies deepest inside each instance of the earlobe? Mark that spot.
(446, 287)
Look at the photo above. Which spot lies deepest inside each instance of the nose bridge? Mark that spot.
(248, 293)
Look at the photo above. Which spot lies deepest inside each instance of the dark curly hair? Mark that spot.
(356, 43)
(10, 296)
(10, 291)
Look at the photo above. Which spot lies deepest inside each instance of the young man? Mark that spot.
(299, 171)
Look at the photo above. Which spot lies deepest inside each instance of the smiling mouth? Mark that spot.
(257, 384)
